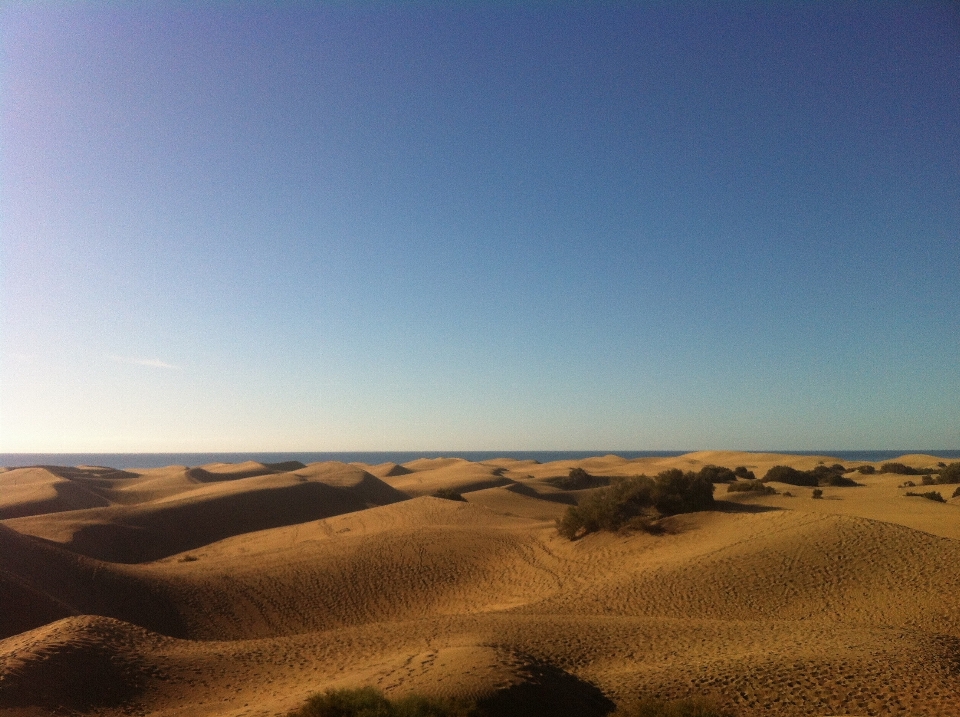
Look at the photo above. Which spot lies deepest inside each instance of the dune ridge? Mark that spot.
(243, 589)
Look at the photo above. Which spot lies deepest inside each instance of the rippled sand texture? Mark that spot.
(241, 589)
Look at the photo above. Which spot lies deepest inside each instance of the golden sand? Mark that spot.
(239, 590)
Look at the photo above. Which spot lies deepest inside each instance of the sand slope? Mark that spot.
(774, 605)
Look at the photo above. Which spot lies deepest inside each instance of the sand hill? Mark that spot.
(238, 590)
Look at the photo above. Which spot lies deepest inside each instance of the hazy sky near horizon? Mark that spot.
(482, 225)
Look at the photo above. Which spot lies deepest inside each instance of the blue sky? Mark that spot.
(487, 225)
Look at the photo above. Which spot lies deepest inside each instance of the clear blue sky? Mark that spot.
(491, 226)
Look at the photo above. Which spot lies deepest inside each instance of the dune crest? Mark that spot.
(239, 590)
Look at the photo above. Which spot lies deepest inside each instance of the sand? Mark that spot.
(241, 589)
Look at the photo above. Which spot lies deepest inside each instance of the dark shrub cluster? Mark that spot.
(866, 470)
(751, 486)
(819, 476)
(956, 493)
(948, 475)
(742, 472)
(448, 494)
(371, 702)
(718, 474)
(817, 494)
(634, 502)
(791, 476)
(579, 479)
(929, 495)
(901, 469)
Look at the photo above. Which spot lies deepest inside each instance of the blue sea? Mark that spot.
(158, 460)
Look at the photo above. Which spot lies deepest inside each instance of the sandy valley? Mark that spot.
(237, 590)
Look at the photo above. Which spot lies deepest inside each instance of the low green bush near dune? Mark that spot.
(751, 486)
(929, 495)
(819, 476)
(448, 494)
(371, 702)
(637, 502)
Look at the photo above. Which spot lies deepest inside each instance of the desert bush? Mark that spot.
(929, 495)
(949, 474)
(837, 481)
(899, 469)
(866, 470)
(821, 475)
(652, 707)
(791, 476)
(956, 493)
(579, 479)
(717, 474)
(630, 502)
(371, 702)
(925, 480)
(751, 486)
(817, 493)
(448, 494)
(742, 472)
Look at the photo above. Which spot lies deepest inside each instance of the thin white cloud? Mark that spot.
(153, 363)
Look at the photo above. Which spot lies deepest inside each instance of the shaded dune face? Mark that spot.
(241, 589)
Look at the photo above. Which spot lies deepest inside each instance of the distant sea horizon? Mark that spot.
(160, 460)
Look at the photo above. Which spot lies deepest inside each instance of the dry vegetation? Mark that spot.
(268, 590)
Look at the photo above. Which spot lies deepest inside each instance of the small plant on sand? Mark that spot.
(949, 474)
(866, 470)
(929, 495)
(636, 502)
(371, 702)
(821, 475)
(579, 479)
(718, 474)
(751, 486)
(790, 476)
(817, 493)
(956, 493)
(900, 469)
(652, 707)
(448, 494)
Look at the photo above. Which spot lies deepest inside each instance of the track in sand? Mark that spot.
(238, 590)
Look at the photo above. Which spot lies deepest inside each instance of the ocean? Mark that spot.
(158, 460)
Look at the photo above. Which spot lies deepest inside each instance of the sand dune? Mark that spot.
(203, 512)
(248, 587)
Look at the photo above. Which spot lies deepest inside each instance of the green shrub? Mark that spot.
(742, 472)
(448, 494)
(579, 479)
(929, 495)
(791, 476)
(751, 486)
(949, 474)
(635, 502)
(717, 474)
(371, 702)
(866, 470)
(652, 707)
(821, 475)
(899, 469)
